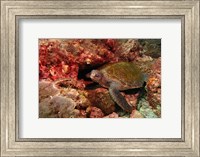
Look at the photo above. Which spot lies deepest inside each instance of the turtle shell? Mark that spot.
(126, 74)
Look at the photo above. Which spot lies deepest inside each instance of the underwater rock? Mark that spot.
(52, 92)
(101, 98)
(64, 71)
(112, 115)
(143, 58)
(47, 89)
(145, 63)
(151, 47)
(131, 98)
(157, 110)
(145, 67)
(68, 82)
(95, 52)
(81, 114)
(46, 110)
(63, 58)
(123, 114)
(145, 109)
(57, 107)
(111, 43)
(94, 112)
(154, 85)
(78, 96)
(136, 114)
(54, 62)
(127, 49)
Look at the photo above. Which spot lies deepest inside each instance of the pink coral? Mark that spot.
(63, 58)
(112, 115)
(95, 112)
(82, 114)
(154, 85)
(127, 50)
(131, 98)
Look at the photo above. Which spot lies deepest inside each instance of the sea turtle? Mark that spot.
(118, 77)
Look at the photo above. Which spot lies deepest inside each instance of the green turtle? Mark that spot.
(118, 77)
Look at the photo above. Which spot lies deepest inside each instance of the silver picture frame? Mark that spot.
(14, 10)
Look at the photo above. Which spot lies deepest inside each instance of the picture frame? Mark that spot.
(12, 11)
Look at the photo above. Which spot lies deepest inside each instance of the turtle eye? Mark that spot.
(97, 75)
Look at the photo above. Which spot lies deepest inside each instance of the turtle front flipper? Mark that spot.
(119, 99)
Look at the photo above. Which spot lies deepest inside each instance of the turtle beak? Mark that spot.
(92, 75)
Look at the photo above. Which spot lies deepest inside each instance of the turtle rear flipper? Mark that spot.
(119, 99)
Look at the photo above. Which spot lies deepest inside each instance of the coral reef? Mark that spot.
(136, 114)
(61, 102)
(57, 107)
(145, 109)
(66, 91)
(46, 89)
(127, 50)
(78, 96)
(101, 98)
(154, 84)
(131, 98)
(94, 112)
(112, 115)
(63, 58)
(151, 47)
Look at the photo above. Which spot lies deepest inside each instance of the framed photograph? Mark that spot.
(100, 78)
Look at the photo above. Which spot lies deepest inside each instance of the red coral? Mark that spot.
(95, 112)
(82, 114)
(63, 58)
(131, 99)
(55, 62)
(154, 84)
(112, 115)
(127, 50)
(111, 43)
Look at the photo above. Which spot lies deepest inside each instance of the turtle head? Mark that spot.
(96, 75)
